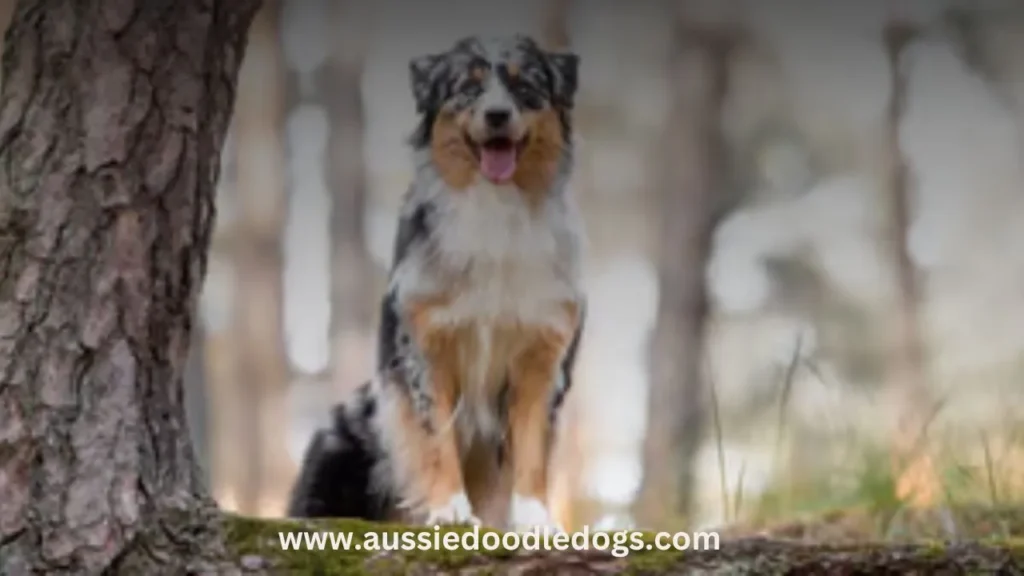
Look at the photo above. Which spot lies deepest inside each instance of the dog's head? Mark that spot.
(498, 107)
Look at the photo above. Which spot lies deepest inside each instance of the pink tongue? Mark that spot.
(498, 165)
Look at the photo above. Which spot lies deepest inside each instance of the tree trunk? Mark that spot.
(692, 179)
(6, 11)
(917, 480)
(353, 274)
(555, 23)
(258, 314)
(112, 118)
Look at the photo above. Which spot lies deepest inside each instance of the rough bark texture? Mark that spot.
(353, 274)
(6, 11)
(692, 180)
(262, 360)
(258, 545)
(112, 116)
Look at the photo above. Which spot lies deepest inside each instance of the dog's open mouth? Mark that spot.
(498, 158)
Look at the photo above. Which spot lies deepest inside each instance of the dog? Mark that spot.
(485, 307)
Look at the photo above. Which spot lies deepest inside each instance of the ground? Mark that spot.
(774, 550)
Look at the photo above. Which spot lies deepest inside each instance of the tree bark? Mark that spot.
(262, 360)
(6, 11)
(353, 274)
(112, 117)
(691, 180)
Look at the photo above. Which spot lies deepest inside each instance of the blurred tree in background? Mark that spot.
(907, 363)
(692, 171)
(263, 373)
(355, 280)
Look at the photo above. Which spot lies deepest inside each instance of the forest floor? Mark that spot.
(969, 540)
(857, 525)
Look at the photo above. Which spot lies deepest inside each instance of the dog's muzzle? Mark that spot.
(498, 151)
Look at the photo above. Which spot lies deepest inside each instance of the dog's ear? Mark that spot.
(565, 73)
(426, 75)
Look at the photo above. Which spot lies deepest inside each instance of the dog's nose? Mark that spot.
(497, 118)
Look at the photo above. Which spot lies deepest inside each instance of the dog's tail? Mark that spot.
(337, 478)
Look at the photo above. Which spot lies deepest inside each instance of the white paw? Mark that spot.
(528, 513)
(458, 510)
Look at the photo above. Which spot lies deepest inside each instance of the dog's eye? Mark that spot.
(524, 88)
(471, 88)
(528, 95)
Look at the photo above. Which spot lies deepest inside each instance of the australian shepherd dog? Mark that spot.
(483, 313)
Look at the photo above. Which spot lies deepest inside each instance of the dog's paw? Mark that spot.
(529, 513)
(458, 510)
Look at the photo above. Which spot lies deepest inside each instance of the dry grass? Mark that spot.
(980, 478)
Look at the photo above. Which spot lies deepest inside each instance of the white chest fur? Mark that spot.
(512, 261)
(499, 261)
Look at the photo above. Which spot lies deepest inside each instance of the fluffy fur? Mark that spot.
(484, 309)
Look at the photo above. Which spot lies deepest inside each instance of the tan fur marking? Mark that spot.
(538, 161)
(440, 472)
(435, 343)
(430, 456)
(452, 155)
(513, 70)
(532, 378)
(438, 469)
(479, 73)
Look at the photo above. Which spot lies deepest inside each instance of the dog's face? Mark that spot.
(498, 108)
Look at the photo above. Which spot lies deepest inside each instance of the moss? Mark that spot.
(252, 537)
(259, 538)
(256, 541)
(1014, 545)
(652, 561)
(932, 549)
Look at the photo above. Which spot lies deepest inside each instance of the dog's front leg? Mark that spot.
(533, 377)
(446, 499)
(437, 473)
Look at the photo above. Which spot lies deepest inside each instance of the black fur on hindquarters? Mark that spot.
(337, 476)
